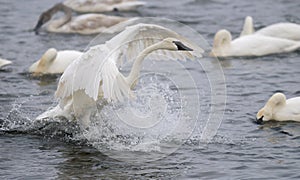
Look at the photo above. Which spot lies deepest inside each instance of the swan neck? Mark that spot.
(137, 65)
(55, 24)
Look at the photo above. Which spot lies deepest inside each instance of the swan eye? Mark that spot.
(181, 47)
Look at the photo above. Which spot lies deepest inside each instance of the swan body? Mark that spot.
(96, 6)
(250, 45)
(95, 75)
(82, 24)
(54, 62)
(4, 62)
(279, 109)
(289, 31)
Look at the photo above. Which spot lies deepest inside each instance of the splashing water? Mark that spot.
(150, 124)
(21, 119)
(155, 122)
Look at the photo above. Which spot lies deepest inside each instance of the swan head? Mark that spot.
(174, 44)
(222, 40)
(266, 113)
(44, 18)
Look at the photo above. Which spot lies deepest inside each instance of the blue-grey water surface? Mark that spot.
(241, 149)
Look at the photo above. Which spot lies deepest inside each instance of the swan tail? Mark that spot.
(248, 27)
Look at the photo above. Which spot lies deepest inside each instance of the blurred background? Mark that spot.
(241, 149)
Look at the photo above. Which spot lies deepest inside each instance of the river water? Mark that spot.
(240, 150)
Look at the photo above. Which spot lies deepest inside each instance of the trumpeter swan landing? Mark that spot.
(96, 6)
(83, 24)
(95, 74)
(279, 109)
(54, 62)
(280, 30)
(4, 62)
(250, 45)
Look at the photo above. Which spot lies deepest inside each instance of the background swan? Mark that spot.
(95, 74)
(279, 109)
(96, 6)
(280, 30)
(83, 24)
(54, 62)
(250, 45)
(4, 62)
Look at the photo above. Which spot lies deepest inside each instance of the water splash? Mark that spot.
(155, 122)
(21, 119)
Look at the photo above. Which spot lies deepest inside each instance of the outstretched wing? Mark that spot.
(134, 39)
(96, 71)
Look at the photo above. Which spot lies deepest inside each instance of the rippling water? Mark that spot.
(241, 149)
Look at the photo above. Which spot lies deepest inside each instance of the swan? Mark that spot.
(54, 62)
(279, 109)
(96, 6)
(289, 31)
(83, 24)
(4, 62)
(95, 74)
(250, 45)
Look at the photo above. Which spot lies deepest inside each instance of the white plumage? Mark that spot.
(4, 62)
(96, 75)
(54, 62)
(283, 30)
(280, 109)
(96, 6)
(250, 45)
(101, 61)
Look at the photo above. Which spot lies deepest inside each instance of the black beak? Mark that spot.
(260, 120)
(182, 47)
(38, 26)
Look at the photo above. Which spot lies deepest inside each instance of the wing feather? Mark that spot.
(96, 71)
(134, 39)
